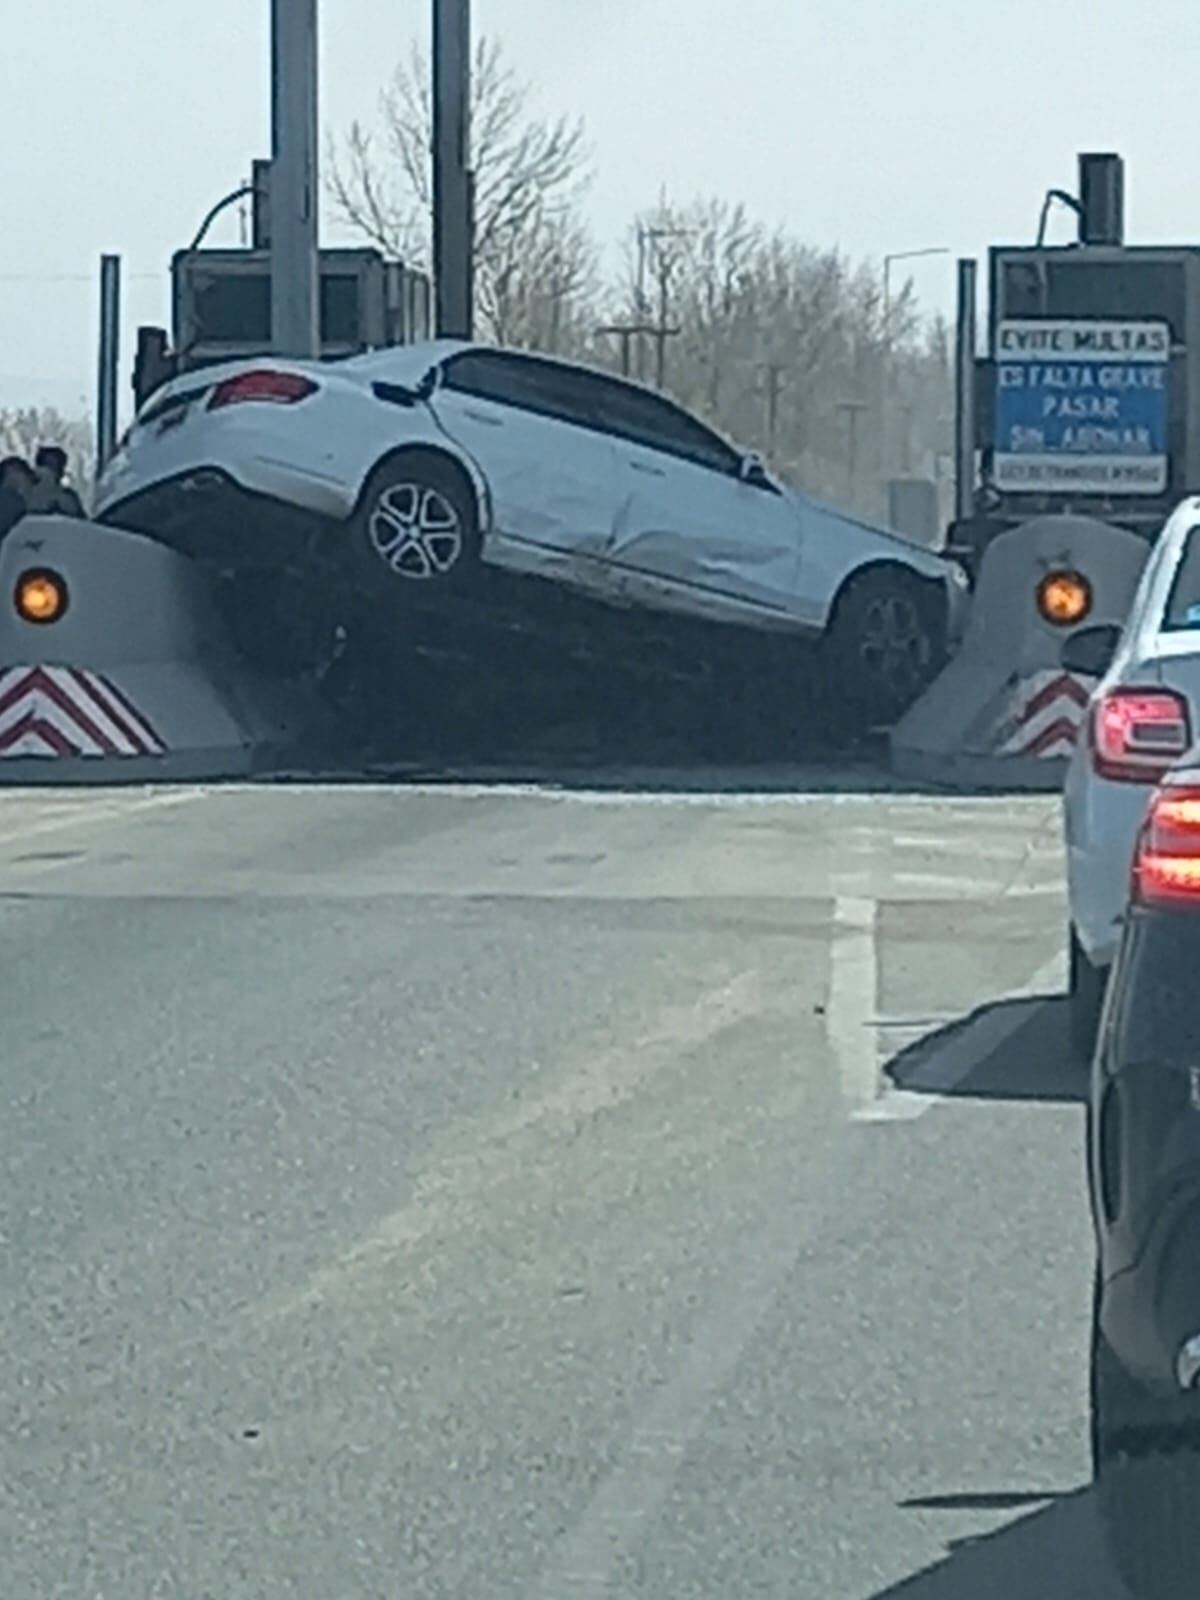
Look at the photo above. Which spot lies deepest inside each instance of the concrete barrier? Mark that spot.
(133, 680)
(1003, 714)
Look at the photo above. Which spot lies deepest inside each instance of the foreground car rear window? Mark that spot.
(1183, 603)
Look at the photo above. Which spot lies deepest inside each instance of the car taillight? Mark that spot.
(1166, 863)
(262, 385)
(1138, 733)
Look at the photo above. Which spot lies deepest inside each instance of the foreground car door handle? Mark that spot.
(482, 416)
(646, 467)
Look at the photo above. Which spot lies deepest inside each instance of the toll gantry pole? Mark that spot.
(295, 263)
(453, 200)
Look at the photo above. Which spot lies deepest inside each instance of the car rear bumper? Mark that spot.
(207, 515)
(254, 456)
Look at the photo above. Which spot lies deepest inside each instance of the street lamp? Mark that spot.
(895, 255)
(901, 255)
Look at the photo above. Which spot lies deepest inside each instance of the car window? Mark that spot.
(1183, 603)
(544, 387)
(643, 418)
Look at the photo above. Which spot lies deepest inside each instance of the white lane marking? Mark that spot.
(961, 1054)
(802, 787)
(94, 813)
(941, 844)
(852, 1003)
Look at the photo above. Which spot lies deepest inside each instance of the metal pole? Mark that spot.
(110, 346)
(850, 409)
(885, 377)
(887, 365)
(964, 391)
(660, 354)
(453, 240)
(641, 297)
(295, 265)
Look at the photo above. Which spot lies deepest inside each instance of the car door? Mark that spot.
(532, 427)
(721, 544)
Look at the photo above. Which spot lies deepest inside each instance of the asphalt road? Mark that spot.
(487, 1192)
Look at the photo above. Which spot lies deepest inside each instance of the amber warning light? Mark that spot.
(40, 596)
(1064, 598)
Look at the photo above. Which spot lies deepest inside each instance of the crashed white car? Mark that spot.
(421, 467)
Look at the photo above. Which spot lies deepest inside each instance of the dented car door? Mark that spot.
(533, 428)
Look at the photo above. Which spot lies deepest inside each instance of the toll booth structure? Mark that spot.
(1086, 397)
(221, 310)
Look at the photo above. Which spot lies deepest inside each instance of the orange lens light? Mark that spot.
(40, 597)
(1064, 598)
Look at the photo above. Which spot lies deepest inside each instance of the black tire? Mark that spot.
(884, 645)
(1085, 996)
(1146, 1471)
(415, 530)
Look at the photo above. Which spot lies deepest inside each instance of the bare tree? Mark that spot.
(535, 265)
(777, 338)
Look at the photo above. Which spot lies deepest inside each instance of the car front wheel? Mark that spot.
(885, 643)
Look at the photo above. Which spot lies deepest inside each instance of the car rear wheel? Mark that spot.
(884, 644)
(416, 528)
(1146, 1470)
(1085, 995)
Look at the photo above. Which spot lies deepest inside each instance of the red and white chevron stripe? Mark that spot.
(1046, 715)
(67, 711)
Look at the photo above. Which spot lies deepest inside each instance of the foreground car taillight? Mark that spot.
(264, 386)
(1138, 733)
(1166, 863)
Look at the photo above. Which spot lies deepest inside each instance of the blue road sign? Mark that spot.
(1081, 407)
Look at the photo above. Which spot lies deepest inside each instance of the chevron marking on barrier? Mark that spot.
(54, 712)
(1047, 716)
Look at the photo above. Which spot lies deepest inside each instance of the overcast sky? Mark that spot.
(876, 125)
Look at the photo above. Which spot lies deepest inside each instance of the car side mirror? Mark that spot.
(753, 469)
(1091, 650)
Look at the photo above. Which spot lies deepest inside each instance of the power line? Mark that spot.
(72, 277)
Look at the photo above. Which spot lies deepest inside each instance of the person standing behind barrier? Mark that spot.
(51, 493)
(17, 484)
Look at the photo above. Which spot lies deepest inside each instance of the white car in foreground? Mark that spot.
(1142, 717)
(409, 469)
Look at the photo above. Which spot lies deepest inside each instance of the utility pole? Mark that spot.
(851, 410)
(453, 183)
(660, 338)
(896, 255)
(776, 377)
(295, 264)
(626, 332)
(647, 240)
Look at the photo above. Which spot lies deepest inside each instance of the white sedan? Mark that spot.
(1143, 716)
(412, 468)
